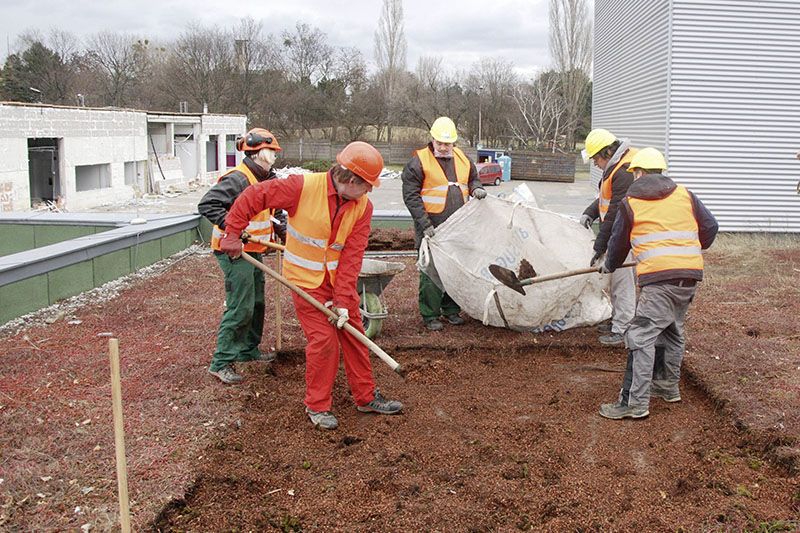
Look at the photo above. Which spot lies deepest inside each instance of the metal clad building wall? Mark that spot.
(734, 118)
(623, 54)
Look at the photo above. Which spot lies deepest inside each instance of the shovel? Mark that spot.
(363, 339)
(508, 278)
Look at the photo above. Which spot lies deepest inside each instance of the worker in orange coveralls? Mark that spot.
(327, 231)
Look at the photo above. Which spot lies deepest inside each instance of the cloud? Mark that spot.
(460, 32)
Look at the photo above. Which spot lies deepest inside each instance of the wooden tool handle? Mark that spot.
(567, 274)
(386, 358)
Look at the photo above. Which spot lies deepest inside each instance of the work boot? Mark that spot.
(434, 324)
(268, 357)
(381, 405)
(618, 411)
(604, 328)
(455, 319)
(227, 375)
(322, 419)
(666, 395)
(612, 339)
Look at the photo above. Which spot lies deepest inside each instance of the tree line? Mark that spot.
(298, 84)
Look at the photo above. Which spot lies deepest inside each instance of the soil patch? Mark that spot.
(500, 432)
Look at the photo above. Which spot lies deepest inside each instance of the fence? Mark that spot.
(525, 165)
(393, 154)
(542, 166)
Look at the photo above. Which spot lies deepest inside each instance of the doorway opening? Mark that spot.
(44, 171)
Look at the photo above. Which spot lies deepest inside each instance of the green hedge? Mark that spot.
(317, 165)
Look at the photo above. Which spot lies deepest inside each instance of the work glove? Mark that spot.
(479, 193)
(231, 244)
(342, 312)
(595, 258)
(604, 269)
(430, 231)
(586, 221)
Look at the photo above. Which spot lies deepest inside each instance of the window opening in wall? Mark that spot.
(230, 151)
(92, 177)
(212, 160)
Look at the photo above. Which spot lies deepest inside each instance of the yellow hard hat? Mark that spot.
(597, 140)
(648, 159)
(444, 130)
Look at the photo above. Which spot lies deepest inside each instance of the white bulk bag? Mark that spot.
(503, 231)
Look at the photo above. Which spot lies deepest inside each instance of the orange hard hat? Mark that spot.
(256, 139)
(364, 160)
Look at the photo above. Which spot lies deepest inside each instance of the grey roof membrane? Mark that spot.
(123, 235)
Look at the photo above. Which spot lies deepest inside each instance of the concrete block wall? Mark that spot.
(14, 183)
(87, 137)
(221, 126)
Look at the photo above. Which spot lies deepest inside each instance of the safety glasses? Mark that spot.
(256, 138)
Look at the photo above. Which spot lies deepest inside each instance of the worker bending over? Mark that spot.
(327, 231)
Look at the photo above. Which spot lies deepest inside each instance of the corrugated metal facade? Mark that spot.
(635, 110)
(731, 99)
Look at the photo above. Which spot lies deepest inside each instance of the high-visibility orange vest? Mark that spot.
(664, 235)
(606, 188)
(260, 225)
(435, 183)
(311, 249)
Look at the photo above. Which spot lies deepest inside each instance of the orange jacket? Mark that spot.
(664, 235)
(311, 248)
(607, 187)
(259, 226)
(435, 183)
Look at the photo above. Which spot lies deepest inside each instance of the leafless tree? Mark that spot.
(257, 64)
(51, 61)
(121, 61)
(357, 99)
(490, 84)
(539, 121)
(390, 56)
(308, 56)
(571, 51)
(435, 92)
(201, 68)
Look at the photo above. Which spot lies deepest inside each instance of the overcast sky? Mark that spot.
(459, 31)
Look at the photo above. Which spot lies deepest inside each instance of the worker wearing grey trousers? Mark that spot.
(660, 317)
(666, 227)
(622, 289)
(612, 157)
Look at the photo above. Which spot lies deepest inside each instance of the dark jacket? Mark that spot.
(655, 187)
(619, 187)
(413, 178)
(217, 201)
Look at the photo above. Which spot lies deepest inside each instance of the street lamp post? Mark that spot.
(480, 105)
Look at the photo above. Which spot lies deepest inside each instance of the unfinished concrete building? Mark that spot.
(78, 158)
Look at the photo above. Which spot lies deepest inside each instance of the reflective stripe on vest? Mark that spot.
(435, 182)
(310, 251)
(259, 226)
(607, 187)
(664, 235)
